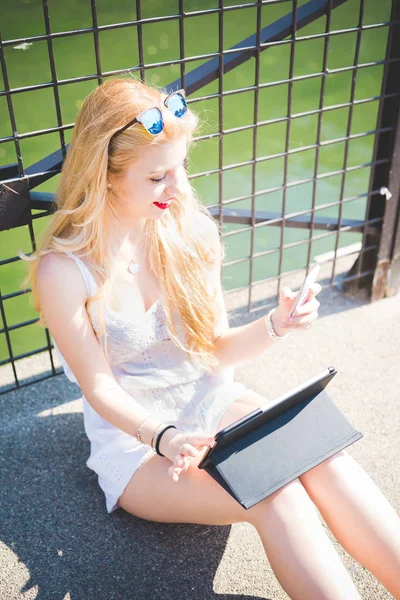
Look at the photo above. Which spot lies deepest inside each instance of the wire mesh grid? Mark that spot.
(207, 71)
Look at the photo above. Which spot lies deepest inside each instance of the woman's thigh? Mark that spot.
(241, 407)
(196, 497)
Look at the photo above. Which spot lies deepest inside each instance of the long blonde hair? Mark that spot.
(177, 252)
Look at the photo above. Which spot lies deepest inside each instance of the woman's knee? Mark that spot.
(287, 503)
(290, 498)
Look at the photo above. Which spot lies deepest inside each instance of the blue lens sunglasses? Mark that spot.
(151, 118)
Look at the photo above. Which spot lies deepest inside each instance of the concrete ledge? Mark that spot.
(57, 540)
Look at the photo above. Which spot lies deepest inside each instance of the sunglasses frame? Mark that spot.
(181, 92)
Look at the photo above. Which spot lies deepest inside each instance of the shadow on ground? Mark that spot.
(54, 518)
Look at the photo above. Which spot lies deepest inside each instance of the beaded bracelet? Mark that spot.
(270, 327)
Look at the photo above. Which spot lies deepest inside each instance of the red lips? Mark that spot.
(161, 205)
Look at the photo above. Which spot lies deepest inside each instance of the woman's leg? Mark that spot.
(359, 516)
(298, 549)
(356, 511)
(300, 553)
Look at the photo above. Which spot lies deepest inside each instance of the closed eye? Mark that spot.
(184, 164)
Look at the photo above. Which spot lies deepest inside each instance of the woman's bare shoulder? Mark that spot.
(57, 268)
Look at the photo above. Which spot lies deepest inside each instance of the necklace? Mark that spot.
(133, 266)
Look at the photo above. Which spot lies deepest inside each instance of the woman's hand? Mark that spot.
(181, 447)
(305, 315)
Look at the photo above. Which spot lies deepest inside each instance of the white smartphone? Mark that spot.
(305, 288)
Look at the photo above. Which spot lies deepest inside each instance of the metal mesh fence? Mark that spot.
(268, 141)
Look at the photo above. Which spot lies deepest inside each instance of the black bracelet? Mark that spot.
(159, 438)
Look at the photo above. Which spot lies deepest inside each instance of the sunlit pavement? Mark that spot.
(58, 542)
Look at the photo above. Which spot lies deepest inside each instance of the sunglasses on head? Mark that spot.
(151, 118)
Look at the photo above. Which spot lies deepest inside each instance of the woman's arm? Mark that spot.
(241, 344)
(235, 345)
(62, 295)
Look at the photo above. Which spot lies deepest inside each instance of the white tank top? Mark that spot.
(140, 352)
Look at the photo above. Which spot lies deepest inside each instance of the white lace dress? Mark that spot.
(155, 372)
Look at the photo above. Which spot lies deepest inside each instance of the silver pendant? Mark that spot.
(133, 267)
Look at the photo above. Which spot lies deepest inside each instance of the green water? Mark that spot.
(74, 56)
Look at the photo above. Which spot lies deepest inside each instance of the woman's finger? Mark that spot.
(179, 460)
(179, 470)
(317, 287)
(182, 462)
(173, 473)
(308, 307)
(314, 290)
(194, 447)
(186, 465)
(303, 320)
(188, 450)
(201, 440)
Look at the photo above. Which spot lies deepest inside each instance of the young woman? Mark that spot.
(127, 279)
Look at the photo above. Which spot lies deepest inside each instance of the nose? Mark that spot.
(175, 184)
(171, 189)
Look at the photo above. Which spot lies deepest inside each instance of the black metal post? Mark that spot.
(384, 188)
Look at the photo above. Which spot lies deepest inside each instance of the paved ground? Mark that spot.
(57, 542)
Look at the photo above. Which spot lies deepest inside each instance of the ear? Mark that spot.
(111, 181)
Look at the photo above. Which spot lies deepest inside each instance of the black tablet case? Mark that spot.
(281, 448)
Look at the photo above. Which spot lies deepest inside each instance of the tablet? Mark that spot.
(260, 416)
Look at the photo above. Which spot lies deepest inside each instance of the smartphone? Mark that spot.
(305, 288)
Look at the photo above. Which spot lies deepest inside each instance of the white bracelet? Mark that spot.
(270, 327)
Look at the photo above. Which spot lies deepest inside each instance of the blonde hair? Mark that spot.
(177, 252)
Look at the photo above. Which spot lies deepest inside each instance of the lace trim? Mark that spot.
(135, 319)
(111, 467)
(126, 339)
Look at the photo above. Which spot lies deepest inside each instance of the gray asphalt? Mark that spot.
(57, 541)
